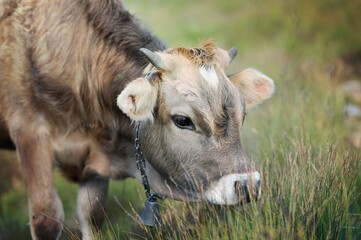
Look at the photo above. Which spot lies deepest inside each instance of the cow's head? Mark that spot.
(191, 114)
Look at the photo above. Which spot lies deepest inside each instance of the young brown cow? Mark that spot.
(67, 66)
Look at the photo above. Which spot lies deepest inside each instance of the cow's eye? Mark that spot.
(183, 122)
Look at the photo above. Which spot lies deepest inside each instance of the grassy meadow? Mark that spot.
(311, 185)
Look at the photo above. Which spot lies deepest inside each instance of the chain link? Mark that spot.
(140, 161)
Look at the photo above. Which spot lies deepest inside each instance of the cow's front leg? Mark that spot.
(35, 155)
(91, 203)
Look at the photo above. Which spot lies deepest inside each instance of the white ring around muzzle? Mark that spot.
(223, 191)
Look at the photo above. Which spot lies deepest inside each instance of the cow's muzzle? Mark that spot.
(235, 189)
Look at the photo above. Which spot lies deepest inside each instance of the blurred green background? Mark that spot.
(300, 139)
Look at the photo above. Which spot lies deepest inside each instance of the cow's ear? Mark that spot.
(138, 100)
(254, 86)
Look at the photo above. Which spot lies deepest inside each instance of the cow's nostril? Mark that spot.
(246, 193)
(238, 187)
(242, 190)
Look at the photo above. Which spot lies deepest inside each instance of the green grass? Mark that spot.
(311, 176)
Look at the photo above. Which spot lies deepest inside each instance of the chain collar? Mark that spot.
(140, 161)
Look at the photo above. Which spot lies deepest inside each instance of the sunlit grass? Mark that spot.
(311, 176)
(312, 194)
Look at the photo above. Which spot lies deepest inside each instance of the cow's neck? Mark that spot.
(122, 32)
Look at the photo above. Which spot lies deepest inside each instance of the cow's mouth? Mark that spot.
(228, 190)
(234, 189)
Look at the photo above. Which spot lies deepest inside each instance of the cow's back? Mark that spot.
(66, 61)
(62, 56)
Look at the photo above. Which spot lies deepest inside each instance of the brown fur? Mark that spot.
(51, 96)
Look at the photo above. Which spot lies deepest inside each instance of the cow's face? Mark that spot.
(191, 114)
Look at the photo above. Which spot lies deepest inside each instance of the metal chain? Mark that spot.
(140, 161)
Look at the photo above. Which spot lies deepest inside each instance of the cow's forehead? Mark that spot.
(197, 67)
(197, 82)
(204, 88)
(199, 73)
